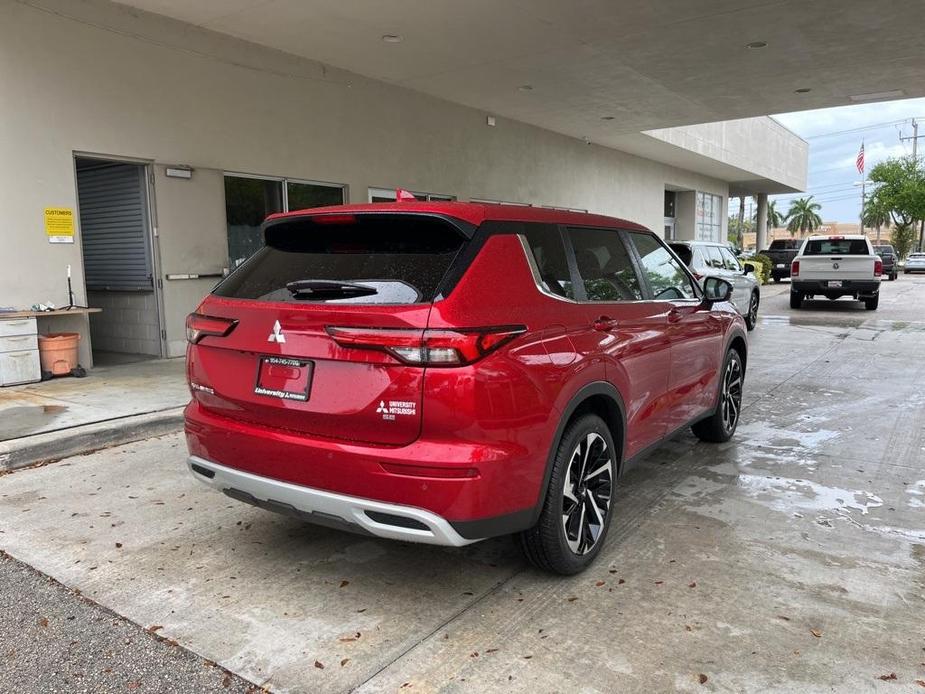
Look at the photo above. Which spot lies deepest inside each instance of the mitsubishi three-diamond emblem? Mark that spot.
(277, 334)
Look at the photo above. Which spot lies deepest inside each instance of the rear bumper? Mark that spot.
(849, 287)
(459, 490)
(317, 506)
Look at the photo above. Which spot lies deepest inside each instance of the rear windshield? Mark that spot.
(884, 249)
(369, 259)
(784, 245)
(836, 247)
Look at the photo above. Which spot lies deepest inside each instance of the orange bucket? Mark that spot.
(58, 352)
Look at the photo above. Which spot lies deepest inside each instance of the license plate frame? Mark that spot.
(275, 378)
(781, 265)
(835, 284)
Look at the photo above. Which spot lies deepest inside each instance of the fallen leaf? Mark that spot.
(658, 583)
(344, 583)
(692, 584)
(154, 627)
(347, 639)
(43, 622)
(491, 650)
(688, 627)
(613, 571)
(474, 654)
(226, 681)
(344, 662)
(887, 678)
(572, 599)
(319, 665)
(620, 582)
(786, 619)
(921, 683)
(816, 633)
(118, 545)
(527, 657)
(599, 584)
(702, 678)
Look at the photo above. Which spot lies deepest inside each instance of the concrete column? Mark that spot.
(761, 241)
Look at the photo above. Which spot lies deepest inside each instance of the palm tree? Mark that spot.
(876, 214)
(775, 219)
(803, 216)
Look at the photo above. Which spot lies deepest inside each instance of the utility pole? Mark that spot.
(915, 157)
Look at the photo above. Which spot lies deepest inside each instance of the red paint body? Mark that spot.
(478, 442)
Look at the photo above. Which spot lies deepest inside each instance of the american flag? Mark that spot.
(860, 160)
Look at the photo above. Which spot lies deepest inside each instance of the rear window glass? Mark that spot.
(884, 249)
(372, 259)
(836, 247)
(784, 244)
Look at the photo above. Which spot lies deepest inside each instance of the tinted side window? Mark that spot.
(714, 257)
(604, 265)
(666, 277)
(545, 242)
(730, 261)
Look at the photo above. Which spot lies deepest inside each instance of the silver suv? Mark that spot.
(710, 259)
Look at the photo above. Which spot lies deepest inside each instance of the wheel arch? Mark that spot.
(600, 398)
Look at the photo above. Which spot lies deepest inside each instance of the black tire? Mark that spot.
(796, 299)
(559, 542)
(751, 318)
(776, 279)
(721, 425)
(872, 303)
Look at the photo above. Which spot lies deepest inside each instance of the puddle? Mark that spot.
(25, 420)
(763, 435)
(789, 495)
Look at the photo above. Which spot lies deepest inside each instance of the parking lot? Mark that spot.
(789, 559)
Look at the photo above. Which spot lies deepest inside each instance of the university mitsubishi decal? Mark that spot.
(396, 408)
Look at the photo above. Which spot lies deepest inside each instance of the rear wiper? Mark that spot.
(328, 288)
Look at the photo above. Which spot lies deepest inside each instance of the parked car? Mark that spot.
(448, 372)
(782, 252)
(710, 259)
(836, 266)
(890, 265)
(915, 262)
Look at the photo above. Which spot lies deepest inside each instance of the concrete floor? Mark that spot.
(789, 559)
(110, 391)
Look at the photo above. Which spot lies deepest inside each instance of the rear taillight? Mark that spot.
(878, 267)
(428, 347)
(199, 326)
(795, 268)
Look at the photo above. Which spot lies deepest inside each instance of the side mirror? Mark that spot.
(716, 289)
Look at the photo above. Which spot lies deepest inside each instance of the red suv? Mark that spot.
(448, 372)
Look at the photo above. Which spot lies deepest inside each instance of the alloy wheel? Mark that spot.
(587, 492)
(753, 309)
(732, 394)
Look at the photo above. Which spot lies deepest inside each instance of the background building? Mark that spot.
(171, 143)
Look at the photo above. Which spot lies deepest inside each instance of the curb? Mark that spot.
(54, 445)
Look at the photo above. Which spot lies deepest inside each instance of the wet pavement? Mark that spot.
(790, 559)
(106, 393)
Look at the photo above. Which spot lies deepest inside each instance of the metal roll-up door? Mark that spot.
(113, 227)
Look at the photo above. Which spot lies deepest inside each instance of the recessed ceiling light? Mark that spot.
(607, 117)
(392, 38)
(757, 44)
(526, 87)
(878, 96)
(802, 90)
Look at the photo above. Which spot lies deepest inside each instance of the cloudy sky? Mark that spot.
(834, 136)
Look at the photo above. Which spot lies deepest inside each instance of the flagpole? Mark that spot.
(863, 186)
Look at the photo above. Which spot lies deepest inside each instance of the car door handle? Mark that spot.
(604, 323)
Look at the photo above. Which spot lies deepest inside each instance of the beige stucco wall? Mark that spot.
(178, 95)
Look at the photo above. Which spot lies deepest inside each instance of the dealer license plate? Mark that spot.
(284, 378)
(781, 265)
(835, 283)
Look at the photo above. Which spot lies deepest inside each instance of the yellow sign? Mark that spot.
(59, 224)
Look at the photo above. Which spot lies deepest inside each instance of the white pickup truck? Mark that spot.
(836, 266)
